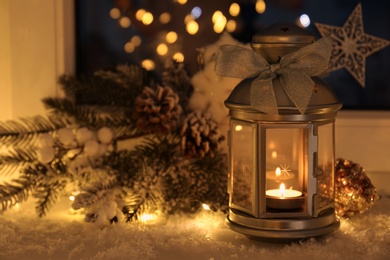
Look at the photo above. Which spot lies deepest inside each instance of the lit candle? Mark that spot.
(284, 199)
(283, 193)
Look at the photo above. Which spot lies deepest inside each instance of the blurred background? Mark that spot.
(149, 32)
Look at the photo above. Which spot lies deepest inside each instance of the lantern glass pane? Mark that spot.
(286, 154)
(325, 169)
(243, 164)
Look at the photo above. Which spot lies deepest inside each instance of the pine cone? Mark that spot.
(157, 111)
(200, 135)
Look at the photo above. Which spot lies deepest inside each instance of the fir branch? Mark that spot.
(15, 192)
(25, 131)
(107, 88)
(91, 116)
(15, 159)
(211, 179)
(46, 195)
(158, 152)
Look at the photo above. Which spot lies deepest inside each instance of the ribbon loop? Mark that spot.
(294, 72)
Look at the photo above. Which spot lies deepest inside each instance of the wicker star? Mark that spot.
(351, 46)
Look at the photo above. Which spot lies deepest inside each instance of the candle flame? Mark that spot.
(278, 171)
(282, 190)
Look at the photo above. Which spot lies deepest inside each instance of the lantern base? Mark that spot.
(283, 230)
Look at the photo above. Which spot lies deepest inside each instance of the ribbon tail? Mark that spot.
(298, 87)
(263, 96)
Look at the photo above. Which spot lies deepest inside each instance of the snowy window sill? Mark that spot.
(61, 235)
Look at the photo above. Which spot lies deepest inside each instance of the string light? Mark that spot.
(205, 206)
(192, 27)
(139, 14)
(115, 13)
(148, 64)
(188, 18)
(231, 26)
(234, 9)
(304, 20)
(182, 2)
(178, 56)
(216, 15)
(171, 37)
(129, 47)
(165, 18)
(162, 49)
(136, 40)
(71, 198)
(219, 21)
(147, 18)
(196, 12)
(125, 22)
(260, 6)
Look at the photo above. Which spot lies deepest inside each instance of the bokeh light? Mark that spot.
(129, 47)
(136, 40)
(192, 27)
(148, 64)
(304, 20)
(234, 9)
(125, 22)
(171, 37)
(139, 14)
(162, 49)
(147, 18)
(165, 18)
(231, 26)
(260, 6)
(178, 56)
(115, 13)
(196, 12)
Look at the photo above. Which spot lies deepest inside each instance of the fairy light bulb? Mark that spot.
(136, 40)
(182, 2)
(234, 9)
(304, 20)
(147, 18)
(165, 18)
(139, 14)
(171, 37)
(216, 15)
(192, 27)
(115, 13)
(148, 64)
(162, 49)
(231, 26)
(129, 47)
(178, 56)
(205, 206)
(125, 22)
(260, 6)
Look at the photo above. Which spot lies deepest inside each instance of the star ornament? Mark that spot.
(351, 46)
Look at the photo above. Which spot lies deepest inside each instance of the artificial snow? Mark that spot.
(62, 235)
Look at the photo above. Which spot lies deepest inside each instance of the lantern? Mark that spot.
(281, 159)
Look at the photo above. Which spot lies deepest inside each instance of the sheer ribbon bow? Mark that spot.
(294, 72)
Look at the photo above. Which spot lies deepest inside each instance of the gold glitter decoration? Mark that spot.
(354, 191)
(351, 46)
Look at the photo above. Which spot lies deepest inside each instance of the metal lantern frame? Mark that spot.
(251, 211)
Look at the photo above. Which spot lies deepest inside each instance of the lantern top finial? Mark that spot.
(283, 33)
(280, 39)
